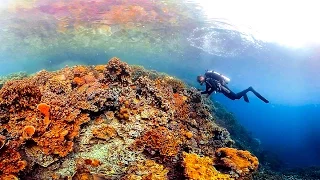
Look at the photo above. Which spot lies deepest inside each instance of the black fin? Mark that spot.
(245, 97)
(259, 96)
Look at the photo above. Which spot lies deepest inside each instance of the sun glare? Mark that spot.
(291, 23)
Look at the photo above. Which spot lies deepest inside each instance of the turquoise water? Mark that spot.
(176, 37)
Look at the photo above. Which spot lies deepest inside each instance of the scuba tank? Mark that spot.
(226, 79)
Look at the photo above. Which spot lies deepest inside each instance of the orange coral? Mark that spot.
(45, 109)
(181, 106)
(10, 160)
(242, 162)
(159, 139)
(189, 134)
(79, 81)
(10, 177)
(53, 141)
(89, 78)
(123, 113)
(59, 138)
(28, 131)
(92, 162)
(79, 70)
(199, 168)
(104, 132)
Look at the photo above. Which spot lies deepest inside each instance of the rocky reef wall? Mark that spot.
(113, 121)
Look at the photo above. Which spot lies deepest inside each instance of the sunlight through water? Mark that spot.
(289, 23)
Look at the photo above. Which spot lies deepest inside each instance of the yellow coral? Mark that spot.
(189, 134)
(100, 68)
(242, 162)
(201, 168)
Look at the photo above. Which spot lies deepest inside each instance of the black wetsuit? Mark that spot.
(215, 82)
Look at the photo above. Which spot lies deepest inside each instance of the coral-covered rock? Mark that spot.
(198, 168)
(109, 121)
(241, 162)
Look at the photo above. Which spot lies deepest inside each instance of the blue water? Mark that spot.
(289, 78)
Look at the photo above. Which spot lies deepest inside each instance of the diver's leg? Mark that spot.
(231, 95)
(244, 94)
(258, 95)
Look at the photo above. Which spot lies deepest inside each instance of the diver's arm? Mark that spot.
(210, 92)
(206, 91)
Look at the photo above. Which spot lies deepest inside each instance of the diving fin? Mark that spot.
(259, 95)
(245, 97)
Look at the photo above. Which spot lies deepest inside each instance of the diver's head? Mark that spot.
(200, 79)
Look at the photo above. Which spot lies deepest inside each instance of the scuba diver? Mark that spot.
(216, 82)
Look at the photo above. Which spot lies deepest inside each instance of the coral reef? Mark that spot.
(111, 121)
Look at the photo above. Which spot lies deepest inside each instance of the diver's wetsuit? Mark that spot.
(215, 82)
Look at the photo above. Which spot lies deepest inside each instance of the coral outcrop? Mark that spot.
(112, 121)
